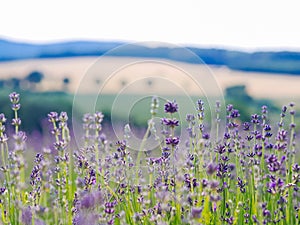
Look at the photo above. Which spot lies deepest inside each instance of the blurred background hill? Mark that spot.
(48, 75)
(281, 62)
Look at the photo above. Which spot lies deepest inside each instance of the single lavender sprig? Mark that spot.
(171, 142)
(218, 120)
(17, 162)
(151, 127)
(64, 178)
(290, 162)
(7, 212)
(3, 141)
(98, 118)
(16, 122)
(14, 99)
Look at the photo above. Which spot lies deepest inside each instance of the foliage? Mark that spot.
(35, 77)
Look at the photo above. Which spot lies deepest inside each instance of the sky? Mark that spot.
(235, 24)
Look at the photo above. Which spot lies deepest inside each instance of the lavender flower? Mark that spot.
(14, 98)
(196, 213)
(170, 122)
(229, 108)
(63, 117)
(2, 118)
(211, 168)
(255, 119)
(220, 149)
(247, 177)
(172, 141)
(246, 126)
(16, 122)
(171, 107)
(154, 105)
(26, 216)
(53, 117)
(234, 114)
(3, 138)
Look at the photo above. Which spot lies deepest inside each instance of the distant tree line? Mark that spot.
(29, 82)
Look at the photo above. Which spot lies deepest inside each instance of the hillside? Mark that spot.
(283, 62)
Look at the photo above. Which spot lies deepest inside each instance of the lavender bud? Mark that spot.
(218, 104)
(254, 218)
(2, 118)
(255, 119)
(2, 190)
(3, 138)
(2, 129)
(266, 213)
(200, 104)
(99, 117)
(26, 216)
(211, 168)
(204, 183)
(87, 201)
(264, 109)
(234, 113)
(267, 127)
(14, 97)
(63, 117)
(154, 105)
(214, 184)
(196, 212)
(53, 117)
(16, 107)
(190, 117)
(16, 122)
(284, 108)
(206, 136)
(296, 168)
(172, 141)
(20, 137)
(171, 107)
(229, 107)
(220, 149)
(246, 126)
(170, 122)
(60, 146)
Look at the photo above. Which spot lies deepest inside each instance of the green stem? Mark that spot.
(140, 151)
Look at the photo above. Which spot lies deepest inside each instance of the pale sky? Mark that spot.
(248, 25)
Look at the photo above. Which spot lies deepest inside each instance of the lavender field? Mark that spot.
(246, 172)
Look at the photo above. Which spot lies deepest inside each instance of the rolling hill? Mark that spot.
(282, 62)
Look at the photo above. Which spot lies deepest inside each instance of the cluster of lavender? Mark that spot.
(247, 175)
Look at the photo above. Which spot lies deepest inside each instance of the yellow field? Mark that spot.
(135, 75)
